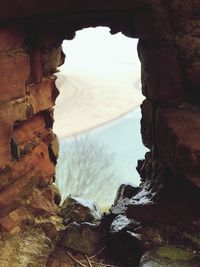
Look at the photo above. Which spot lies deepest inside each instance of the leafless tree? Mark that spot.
(85, 169)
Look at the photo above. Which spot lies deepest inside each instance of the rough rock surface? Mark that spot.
(169, 256)
(163, 197)
(129, 238)
(75, 209)
(29, 248)
(82, 220)
(85, 238)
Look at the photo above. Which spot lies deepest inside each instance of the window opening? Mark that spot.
(97, 115)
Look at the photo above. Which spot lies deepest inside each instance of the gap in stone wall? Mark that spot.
(97, 115)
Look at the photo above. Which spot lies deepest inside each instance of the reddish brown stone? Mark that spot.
(184, 16)
(42, 201)
(42, 96)
(163, 197)
(37, 68)
(14, 73)
(22, 180)
(12, 196)
(11, 37)
(5, 136)
(26, 134)
(35, 8)
(29, 130)
(193, 75)
(16, 110)
(15, 218)
(161, 73)
(39, 158)
(189, 47)
(9, 113)
(51, 59)
(145, 24)
(177, 137)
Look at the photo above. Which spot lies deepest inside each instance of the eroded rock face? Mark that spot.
(163, 197)
(27, 159)
(130, 238)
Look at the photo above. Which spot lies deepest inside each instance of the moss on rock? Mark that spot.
(170, 256)
(30, 248)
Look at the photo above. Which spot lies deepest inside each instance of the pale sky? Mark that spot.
(99, 81)
(95, 48)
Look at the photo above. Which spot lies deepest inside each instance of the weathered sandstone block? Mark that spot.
(20, 181)
(185, 16)
(41, 201)
(28, 134)
(42, 96)
(11, 37)
(16, 110)
(35, 66)
(145, 24)
(5, 137)
(14, 73)
(10, 222)
(160, 73)
(163, 197)
(15, 194)
(177, 133)
(189, 47)
(38, 157)
(51, 59)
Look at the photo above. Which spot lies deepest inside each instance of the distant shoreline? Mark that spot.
(99, 125)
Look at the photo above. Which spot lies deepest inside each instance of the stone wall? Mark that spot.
(27, 94)
(170, 124)
(31, 34)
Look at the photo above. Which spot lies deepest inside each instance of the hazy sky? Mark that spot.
(96, 47)
(99, 81)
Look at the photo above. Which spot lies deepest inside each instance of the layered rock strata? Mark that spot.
(28, 145)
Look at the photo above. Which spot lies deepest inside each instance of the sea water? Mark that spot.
(122, 138)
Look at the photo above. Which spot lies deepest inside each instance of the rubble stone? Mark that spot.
(76, 209)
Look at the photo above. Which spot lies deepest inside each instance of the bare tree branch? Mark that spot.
(87, 168)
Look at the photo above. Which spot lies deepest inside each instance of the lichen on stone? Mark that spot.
(30, 248)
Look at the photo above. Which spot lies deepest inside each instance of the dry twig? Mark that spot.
(92, 257)
(101, 264)
(75, 260)
(88, 260)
